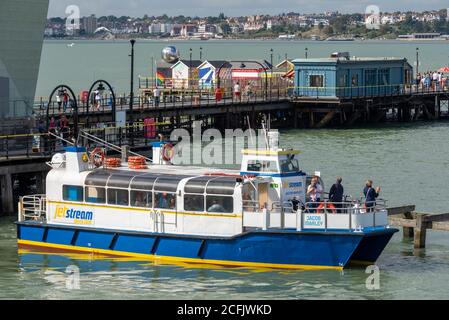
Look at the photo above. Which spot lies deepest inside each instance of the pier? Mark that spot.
(416, 224)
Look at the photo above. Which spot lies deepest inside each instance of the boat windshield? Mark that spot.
(289, 165)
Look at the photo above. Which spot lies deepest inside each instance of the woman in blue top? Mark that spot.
(370, 195)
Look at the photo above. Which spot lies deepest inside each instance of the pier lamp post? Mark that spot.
(101, 89)
(62, 88)
(417, 60)
(131, 93)
(190, 69)
(307, 53)
(271, 73)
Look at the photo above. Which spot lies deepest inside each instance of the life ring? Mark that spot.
(112, 162)
(326, 208)
(97, 157)
(168, 152)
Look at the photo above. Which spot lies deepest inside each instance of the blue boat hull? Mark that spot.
(276, 249)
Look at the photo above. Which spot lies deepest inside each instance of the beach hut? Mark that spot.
(185, 74)
(207, 72)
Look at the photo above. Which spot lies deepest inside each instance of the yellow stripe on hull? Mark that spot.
(174, 260)
(146, 210)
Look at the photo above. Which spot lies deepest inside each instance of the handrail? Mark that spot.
(109, 145)
(32, 207)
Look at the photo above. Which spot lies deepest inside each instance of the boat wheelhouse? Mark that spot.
(256, 217)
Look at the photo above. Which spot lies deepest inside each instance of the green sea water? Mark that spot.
(410, 163)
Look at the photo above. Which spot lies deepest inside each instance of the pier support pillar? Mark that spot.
(420, 232)
(295, 121)
(312, 119)
(408, 232)
(40, 182)
(6, 190)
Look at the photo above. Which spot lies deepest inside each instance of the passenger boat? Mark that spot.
(170, 213)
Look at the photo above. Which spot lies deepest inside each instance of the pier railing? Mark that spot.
(317, 216)
(354, 92)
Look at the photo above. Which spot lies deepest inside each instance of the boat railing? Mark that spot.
(32, 207)
(348, 215)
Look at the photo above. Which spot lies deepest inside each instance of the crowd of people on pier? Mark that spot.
(431, 80)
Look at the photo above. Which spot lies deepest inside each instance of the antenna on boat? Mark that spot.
(265, 135)
(250, 131)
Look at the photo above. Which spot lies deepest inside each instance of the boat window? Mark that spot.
(262, 166)
(223, 186)
(168, 183)
(193, 202)
(143, 199)
(144, 182)
(118, 196)
(289, 165)
(121, 180)
(95, 195)
(220, 204)
(73, 193)
(97, 178)
(197, 185)
(164, 200)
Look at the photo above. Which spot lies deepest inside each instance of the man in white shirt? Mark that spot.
(434, 80)
(156, 96)
(314, 192)
(237, 93)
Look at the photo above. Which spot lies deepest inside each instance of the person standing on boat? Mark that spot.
(314, 191)
(370, 195)
(336, 193)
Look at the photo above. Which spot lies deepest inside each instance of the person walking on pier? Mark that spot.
(59, 101)
(370, 195)
(336, 193)
(52, 130)
(64, 129)
(237, 91)
(98, 100)
(65, 100)
(156, 96)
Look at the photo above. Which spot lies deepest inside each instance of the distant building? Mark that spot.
(176, 30)
(89, 24)
(157, 28)
(154, 28)
(419, 36)
(188, 30)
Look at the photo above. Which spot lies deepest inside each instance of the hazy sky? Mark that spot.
(138, 8)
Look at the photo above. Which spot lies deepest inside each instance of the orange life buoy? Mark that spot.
(168, 152)
(112, 162)
(326, 208)
(138, 166)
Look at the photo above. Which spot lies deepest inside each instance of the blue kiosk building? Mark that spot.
(345, 77)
